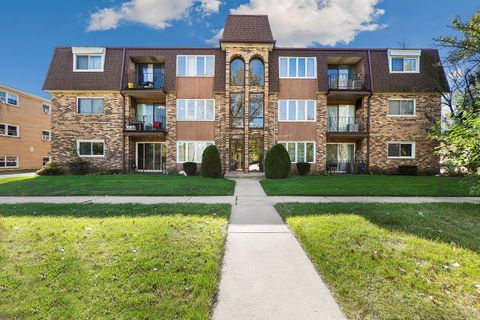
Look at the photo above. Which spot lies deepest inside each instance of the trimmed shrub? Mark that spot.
(408, 170)
(51, 169)
(190, 168)
(303, 168)
(211, 163)
(277, 163)
(78, 167)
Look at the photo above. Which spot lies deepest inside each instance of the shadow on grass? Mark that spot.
(452, 223)
(112, 210)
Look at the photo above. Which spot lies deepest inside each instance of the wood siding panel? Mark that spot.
(298, 89)
(195, 87)
(296, 131)
(195, 130)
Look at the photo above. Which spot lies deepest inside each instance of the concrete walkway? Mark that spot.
(266, 274)
(17, 175)
(238, 200)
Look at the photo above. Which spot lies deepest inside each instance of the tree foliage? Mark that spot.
(277, 163)
(211, 163)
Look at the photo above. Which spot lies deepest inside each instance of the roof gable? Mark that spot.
(247, 29)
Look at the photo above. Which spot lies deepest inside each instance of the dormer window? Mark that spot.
(88, 59)
(404, 61)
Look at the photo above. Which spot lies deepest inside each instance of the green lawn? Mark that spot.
(116, 185)
(110, 261)
(367, 185)
(394, 261)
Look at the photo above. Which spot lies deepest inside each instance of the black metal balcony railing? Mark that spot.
(345, 124)
(347, 166)
(355, 81)
(147, 123)
(153, 80)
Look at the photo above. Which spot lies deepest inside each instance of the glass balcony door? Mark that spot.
(151, 156)
(341, 156)
(152, 117)
(341, 76)
(150, 75)
(341, 118)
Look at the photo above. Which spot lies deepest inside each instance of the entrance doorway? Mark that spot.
(151, 156)
(237, 153)
(255, 153)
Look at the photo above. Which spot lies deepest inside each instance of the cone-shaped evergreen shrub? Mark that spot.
(277, 163)
(211, 163)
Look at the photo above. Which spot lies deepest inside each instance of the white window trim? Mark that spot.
(305, 142)
(49, 158)
(7, 93)
(204, 65)
(296, 110)
(102, 63)
(49, 135)
(403, 115)
(92, 141)
(196, 109)
(402, 142)
(90, 114)
(49, 108)
(404, 53)
(17, 161)
(192, 141)
(6, 130)
(306, 68)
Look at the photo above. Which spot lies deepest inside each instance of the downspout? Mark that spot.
(368, 109)
(123, 110)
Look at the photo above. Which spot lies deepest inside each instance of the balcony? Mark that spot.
(145, 85)
(350, 86)
(346, 127)
(145, 125)
(346, 166)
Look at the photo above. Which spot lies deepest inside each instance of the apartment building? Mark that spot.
(151, 109)
(25, 129)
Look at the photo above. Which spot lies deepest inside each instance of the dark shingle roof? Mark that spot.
(247, 28)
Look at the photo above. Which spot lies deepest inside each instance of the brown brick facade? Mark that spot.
(384, 129)
(68, 126)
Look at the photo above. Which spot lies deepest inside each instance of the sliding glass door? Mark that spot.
(151, 116)
(151, 156)
(341, 156)
(341, 118)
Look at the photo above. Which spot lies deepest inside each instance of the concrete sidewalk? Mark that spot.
(266, 274)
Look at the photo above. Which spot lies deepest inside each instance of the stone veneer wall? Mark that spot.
(384, 128)
(246, 53)
(68, 126)
(171, 141)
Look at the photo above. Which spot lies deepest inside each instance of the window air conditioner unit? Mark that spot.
(3, 100)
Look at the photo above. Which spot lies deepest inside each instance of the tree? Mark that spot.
(277, 163)
(459, 131)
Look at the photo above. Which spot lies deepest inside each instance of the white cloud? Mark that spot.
(154, 13)
(216, 37)
(306, 22)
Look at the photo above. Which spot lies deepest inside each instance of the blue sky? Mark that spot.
(31, 32)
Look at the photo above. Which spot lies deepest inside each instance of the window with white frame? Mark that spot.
(46, 135)
(9, 130)
(401, 150)
(404, 61)
(195, 109)
(9, 98)
(300, 151)
(91, 148)
(401, 107)
(195, 66)
(298, 67)
(8, 161)
(46, 108)
(90, 105)
(296, 110)
(88, 59)
(45, 160)
(191, 151)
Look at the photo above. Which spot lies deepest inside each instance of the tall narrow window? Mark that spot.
(257, 73)
(237, 72)
(237, 109)
(256, 110)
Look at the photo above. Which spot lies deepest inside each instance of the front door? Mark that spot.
(237, 152)
(151, 156)
(255, 153)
